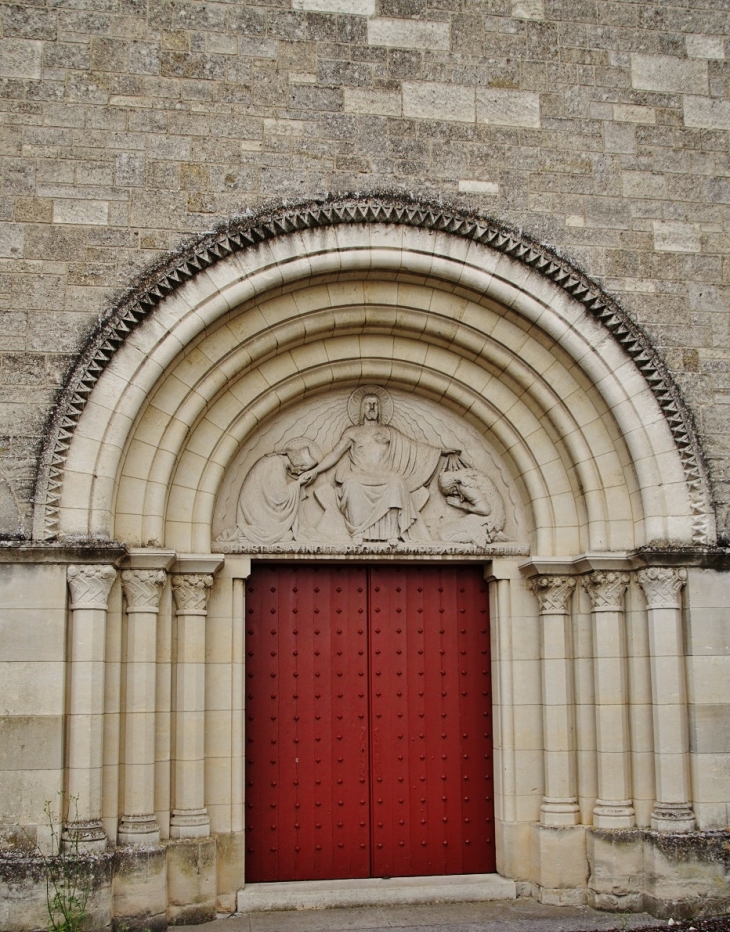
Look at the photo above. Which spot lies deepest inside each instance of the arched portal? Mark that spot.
(250, 344)
(497, 329)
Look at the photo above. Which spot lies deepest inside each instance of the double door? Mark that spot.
(368, 722)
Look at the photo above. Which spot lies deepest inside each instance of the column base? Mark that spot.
(189, 823)
(559, 811)
(87, 835)
(673, 817)
(138, 830)
(614, 813)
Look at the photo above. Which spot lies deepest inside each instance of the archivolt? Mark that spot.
(184, 301)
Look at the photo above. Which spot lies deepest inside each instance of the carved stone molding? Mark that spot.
(662, 585)
(86, 835)
(606, 590)
(190, 591)
(189, 823)
(673, 817)
(138, 830)
(553, 593)
(236, 235)
(90, 585)
(142, 589)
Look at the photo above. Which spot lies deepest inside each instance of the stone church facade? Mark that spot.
(368, 298)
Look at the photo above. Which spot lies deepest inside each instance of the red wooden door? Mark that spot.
(307, 793)
(431, 735)
(368, 722)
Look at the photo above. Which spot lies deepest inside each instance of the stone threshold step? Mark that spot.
(395, 891)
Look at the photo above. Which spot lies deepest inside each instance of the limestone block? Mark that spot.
(708, 679)
(632, 113)
(20, 58)
(528, 9)
(507, 108)
(616, 861)
(676, 236)
(23, 904)
(353, 7)
(685, 875)
(191, 881)
(710, 775)
(473, 186)
(31, 742)
(513, 842)
(230, 869)
(432, 100)
(706, 112)
(669, 74)
(140, 889)
(12, 235)
(409, 33)
(375, 101)
(92, 213)
(559, 856)
(699, 46)
(32, 688)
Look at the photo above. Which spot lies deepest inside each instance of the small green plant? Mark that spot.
(66, 871)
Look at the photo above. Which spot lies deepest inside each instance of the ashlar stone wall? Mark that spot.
(599, 127)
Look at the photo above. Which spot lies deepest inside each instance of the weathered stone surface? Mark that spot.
(668, 74)
(435, 100)
(408, 34)
(20, 58)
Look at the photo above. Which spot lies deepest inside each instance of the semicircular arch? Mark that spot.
(479, 324)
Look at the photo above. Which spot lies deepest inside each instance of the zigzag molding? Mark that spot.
(241, 233)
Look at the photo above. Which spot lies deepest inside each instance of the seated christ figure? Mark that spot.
(380, 478)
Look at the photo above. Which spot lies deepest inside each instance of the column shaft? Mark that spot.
(138, 825)
(673, 808)
(614, 807)
(189, 817)
(560, 803)
(238, 706)
(89, 587)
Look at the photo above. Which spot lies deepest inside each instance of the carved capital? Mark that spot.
(662, 585)
(553, 593)
(191, 592)
(142, 589)
(90, 585)
(606, 589)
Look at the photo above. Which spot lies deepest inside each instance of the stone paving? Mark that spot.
(522, 915)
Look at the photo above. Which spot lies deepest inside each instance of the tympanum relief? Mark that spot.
(368, 471)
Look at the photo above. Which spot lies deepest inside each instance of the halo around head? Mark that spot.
(303, 443)
(354, 403)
